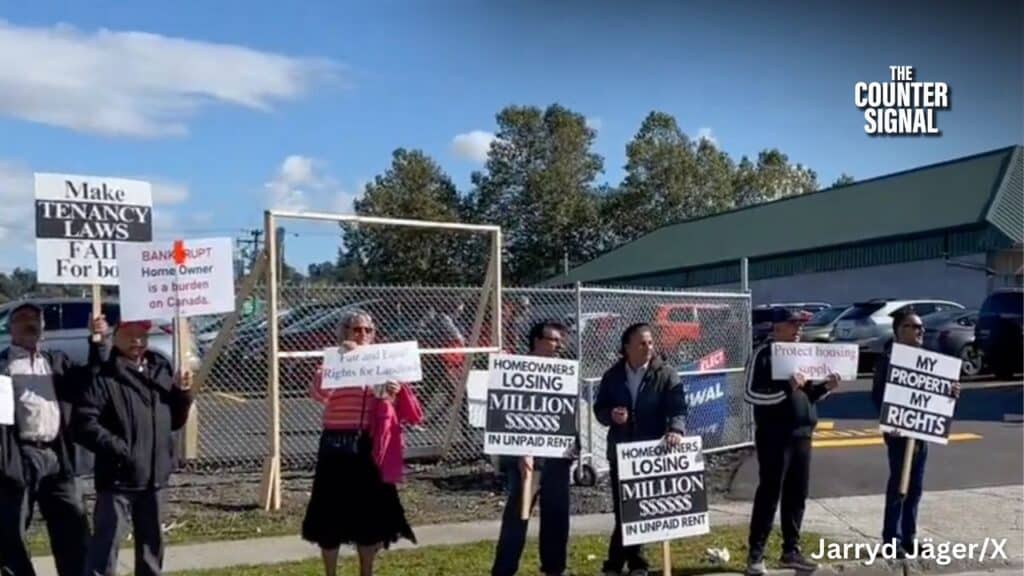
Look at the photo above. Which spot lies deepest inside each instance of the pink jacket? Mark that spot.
(388, 447)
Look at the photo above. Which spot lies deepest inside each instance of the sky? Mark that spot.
(233, 107)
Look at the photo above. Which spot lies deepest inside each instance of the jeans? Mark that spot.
(115, 511)
(900, 523)
(60, 502)
(784, 467)
(554, 519)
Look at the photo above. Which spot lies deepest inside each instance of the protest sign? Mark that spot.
(706, 406)
(662, 490)
(531, 406)
(372, 365)
(918, 401)
(6, 401)
(813, 360)
(476, 396)
(164, 280)
(82, 221)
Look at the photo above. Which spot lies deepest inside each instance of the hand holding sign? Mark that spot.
(833, 382)
(797, 381)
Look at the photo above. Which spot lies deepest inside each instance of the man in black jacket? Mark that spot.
(127, 417)
(899, 524)
(639, 399)
(37, 452)
(784, 418)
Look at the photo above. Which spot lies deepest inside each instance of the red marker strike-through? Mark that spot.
(179, 252)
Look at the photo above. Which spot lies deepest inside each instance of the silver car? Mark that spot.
(66, 328)
(869, 324)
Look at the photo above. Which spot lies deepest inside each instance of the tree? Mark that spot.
(539, 187)
(843, 180)
(773, 178)
(414, 187)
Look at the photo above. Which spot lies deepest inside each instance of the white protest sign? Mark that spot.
(476, 396)
(372, 365)
(81, 221)
(918, 401)
(662, 490)
(531, 406)
(182, 277)
(6, 401)
(815, 361)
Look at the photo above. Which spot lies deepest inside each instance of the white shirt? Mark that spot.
(634, 378)
(36, 411)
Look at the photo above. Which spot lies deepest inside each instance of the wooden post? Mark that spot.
(97, 308)
(183, 335)
(908, 461)
(270, 488)
(474, 339)
(527, 495)
(666, 558)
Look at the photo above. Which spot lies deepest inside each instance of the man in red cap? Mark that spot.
(128, 418)
(37, 451)
(784, 420)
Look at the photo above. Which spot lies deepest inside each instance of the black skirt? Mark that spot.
(350, 504)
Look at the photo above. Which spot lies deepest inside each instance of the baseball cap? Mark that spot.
(785, 315)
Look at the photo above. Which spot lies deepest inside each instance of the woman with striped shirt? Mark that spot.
(359, 463)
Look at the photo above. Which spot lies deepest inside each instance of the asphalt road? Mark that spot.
(991, 410)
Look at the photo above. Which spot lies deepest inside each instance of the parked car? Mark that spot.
(819, 327)
(678, 328)
(66, 328)
(951, 332)
(999, 331)
(869, 324)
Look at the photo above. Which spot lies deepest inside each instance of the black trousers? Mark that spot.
(114, 512)
(61, 505)
(784, 466)
(619, 555)
(554, 519)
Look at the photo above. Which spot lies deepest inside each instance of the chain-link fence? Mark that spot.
(704, 336)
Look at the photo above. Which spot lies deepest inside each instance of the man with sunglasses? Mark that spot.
(900, 521)
(546, 340)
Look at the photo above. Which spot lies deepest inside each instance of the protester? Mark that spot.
(784, 419)
(640, 398)
(899, 524)
(127, 418)
(546, 341)
(359, 462)
(37, 453)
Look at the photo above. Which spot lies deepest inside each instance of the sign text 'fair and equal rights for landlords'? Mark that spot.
(918, 399)
(372, 365)
(82, 220)
(661, 489)
(531, 406)
(180, 278)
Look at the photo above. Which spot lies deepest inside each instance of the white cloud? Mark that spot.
(594, 123)
(302, 184)
(168, 192)
(705, 134)
(472, 146)
(135, 83)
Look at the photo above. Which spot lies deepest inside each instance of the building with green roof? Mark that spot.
(952, 230)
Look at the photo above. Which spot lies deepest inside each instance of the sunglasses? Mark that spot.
(362, 329)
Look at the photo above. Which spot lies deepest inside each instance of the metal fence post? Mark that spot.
(745, 275)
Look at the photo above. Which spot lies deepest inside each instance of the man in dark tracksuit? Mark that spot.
(546, 341)
(900, 520)
(639, 399)
(127, 418)
(784, 418)
(37, 452)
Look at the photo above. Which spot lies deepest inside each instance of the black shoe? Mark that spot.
(796, 561)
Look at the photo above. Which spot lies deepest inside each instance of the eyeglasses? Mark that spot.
(362, 329)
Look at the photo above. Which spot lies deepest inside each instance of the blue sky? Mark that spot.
(230, 107)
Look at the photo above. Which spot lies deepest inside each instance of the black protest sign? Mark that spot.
(79, 222)
(918, 401)
(661, 490)
(531, 406)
